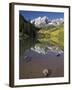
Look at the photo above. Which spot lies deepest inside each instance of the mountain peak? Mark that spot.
(44, 17)
(40, 21)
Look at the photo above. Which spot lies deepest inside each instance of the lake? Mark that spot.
(35, 56)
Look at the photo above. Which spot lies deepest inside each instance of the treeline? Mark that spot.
(26, 29)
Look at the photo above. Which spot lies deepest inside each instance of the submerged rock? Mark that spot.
(58, 54)
(27, 58)
(45, 72)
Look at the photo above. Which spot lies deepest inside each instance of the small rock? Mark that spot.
(58, 54)
(45, 72)
(27, 58)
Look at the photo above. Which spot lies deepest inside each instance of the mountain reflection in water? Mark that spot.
(47, 49)
(39, 47)
(36, 56)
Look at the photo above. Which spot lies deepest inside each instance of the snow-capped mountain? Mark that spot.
(45, 21)
(40, 21)
(58, 21)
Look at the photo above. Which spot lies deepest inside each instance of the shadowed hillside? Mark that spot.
(26, 29)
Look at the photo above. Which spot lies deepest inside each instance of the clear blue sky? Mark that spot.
(29, 15)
